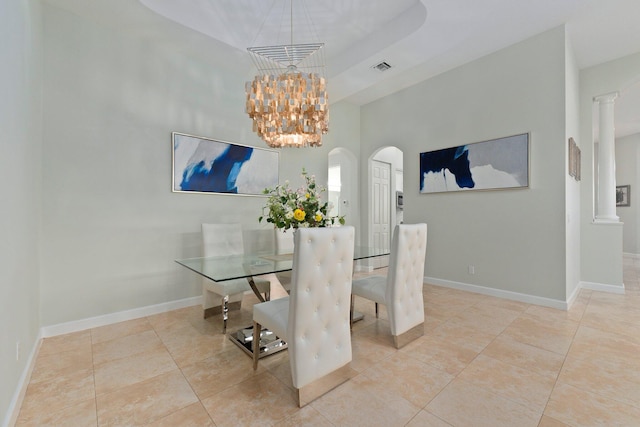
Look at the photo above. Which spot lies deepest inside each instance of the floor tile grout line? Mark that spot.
(564, 360)
(146, 379)
(578, 357)
(93, 371)
(183, 376)
(30, 384)
(580, 321)
(481, 352)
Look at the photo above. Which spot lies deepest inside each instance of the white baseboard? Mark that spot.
(121, 316)
(365, 268)
(514, 296)
(16, 402)
(529, 299)
(601, 287)
(574, 295)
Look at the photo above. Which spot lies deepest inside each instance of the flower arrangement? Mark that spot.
(303, 207)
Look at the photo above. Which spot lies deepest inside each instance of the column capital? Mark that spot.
(606, 98)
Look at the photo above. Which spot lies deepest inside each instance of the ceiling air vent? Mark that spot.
(383, 66)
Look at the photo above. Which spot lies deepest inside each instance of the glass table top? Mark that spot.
(240, 266)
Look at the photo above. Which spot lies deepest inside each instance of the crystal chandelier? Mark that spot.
(287, 100)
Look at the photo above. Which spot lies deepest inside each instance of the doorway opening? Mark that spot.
(342, 185)
(386, 199)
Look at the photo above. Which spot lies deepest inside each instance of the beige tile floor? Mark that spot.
(483, 361)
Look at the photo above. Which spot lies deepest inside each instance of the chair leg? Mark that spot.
(257, 327)
(225, 313)
(406, 337)
(351, 313)
(376, 310)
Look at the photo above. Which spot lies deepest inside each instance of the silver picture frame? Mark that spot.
(204, 165)
(496, 164)
(623, 195)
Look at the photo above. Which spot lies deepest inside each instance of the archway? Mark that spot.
(342, 185)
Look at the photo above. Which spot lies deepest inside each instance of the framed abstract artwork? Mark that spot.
(574, 160)
(623, 195)
(204, 165)
(500, 163)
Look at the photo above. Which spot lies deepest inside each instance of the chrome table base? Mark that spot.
(269, 342)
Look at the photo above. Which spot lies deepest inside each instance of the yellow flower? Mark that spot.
(318, 217)
(307, 195)
(299, 214)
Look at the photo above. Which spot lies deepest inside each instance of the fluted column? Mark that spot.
(606, 160)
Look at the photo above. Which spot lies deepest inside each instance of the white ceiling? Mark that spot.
(419, 38)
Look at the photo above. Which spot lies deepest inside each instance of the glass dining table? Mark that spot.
(249, 266)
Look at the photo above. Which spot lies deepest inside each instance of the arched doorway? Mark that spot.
(342, 185)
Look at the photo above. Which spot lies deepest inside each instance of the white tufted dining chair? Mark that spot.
(220, 297)
(401, 290)
(314, 319)
(284, 245)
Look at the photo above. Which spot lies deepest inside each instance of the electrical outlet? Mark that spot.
(472, 269)
(17, 351)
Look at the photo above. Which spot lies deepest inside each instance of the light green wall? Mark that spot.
(514, 238)
(601, 255)
(572, 200)
(20, 143)
(112, 97)
(628, 173)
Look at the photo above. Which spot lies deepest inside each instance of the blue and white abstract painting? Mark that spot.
(494, 164)
(205, 165)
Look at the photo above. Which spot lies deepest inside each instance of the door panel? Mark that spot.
(381, 208)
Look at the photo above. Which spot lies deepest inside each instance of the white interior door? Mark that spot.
(381, 209)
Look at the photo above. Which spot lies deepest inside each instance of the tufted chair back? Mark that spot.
(405, 277)
(318, 332)
(284, 245)
(222, 239)
(220, 297)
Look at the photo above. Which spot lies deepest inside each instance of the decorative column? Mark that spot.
(606, 160)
